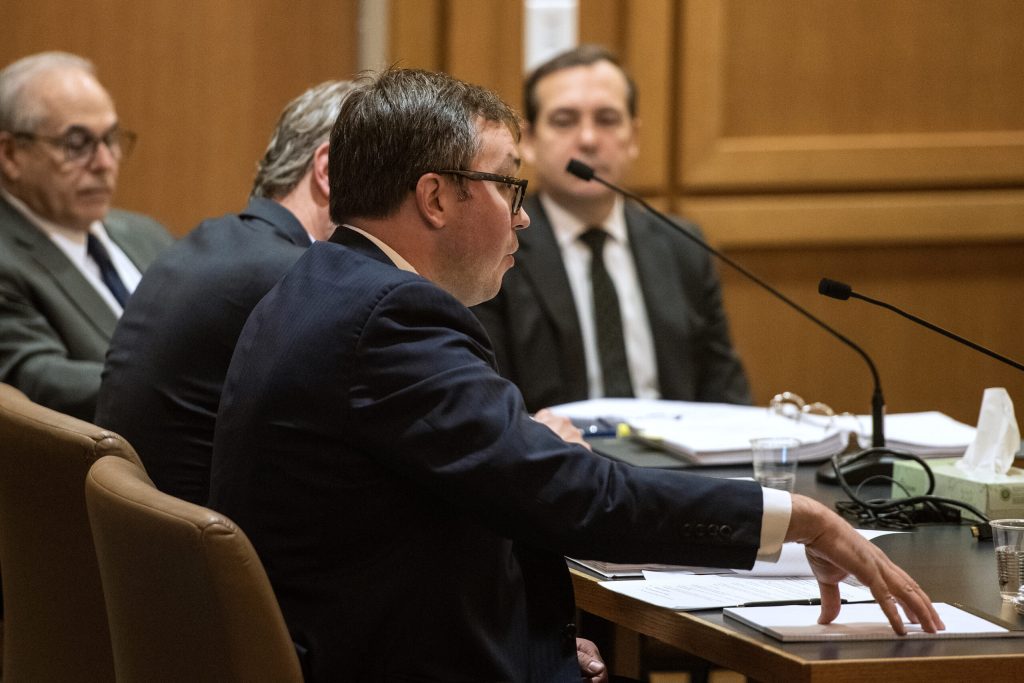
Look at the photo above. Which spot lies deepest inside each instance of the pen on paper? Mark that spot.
(780, 603)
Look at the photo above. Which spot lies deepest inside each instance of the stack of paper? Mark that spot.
(720, 433)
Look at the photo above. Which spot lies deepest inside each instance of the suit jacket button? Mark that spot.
(569, 632)
(700, 529)
(725, 531)
(686, 529)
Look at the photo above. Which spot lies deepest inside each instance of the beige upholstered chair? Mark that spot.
(55, 621)
(187, 596)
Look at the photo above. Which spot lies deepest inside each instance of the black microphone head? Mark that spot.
(836, 290)
(580, 169)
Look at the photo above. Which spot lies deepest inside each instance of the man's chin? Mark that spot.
(87, 215)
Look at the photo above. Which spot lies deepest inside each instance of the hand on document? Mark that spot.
(835, 550)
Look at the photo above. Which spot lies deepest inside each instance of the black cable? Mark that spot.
(900, 513)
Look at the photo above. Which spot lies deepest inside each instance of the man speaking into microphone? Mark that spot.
(604, 299)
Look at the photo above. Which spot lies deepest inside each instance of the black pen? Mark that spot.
(780, 603)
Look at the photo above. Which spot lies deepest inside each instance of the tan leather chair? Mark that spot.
(55, 620)
(187, 596)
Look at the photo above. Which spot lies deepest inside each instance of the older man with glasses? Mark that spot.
(68, 262)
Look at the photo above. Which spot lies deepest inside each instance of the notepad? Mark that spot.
(860, 622)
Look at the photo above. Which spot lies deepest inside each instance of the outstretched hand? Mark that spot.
(835, 550)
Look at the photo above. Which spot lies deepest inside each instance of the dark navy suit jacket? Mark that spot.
(411, 515)
(169, 354)
(535, 328)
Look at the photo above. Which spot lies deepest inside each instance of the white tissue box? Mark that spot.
(998, 499)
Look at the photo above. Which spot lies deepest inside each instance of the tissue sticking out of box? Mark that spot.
(991, 453)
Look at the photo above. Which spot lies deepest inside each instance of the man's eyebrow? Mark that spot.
(511, 166)
(563, 110)
(79, 128)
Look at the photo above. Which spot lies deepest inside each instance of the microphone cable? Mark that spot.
(902, 513)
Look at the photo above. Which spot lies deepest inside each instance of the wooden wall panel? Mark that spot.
(796, 95)
(974, 290)
(880, 141)
(201, 82)
(417, 38)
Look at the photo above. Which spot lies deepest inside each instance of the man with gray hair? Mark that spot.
(68, 262)
(171, 350)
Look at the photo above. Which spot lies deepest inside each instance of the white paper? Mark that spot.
(711, 591)
(857, 622)
(719, 433)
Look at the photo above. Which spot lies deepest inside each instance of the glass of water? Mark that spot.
(775, 462)
(1008, 539)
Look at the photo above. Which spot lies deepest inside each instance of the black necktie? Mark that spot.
(611, 347)
(110, 277)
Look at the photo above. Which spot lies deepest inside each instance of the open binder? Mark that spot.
(720, 433)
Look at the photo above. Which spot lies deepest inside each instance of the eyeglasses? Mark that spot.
(518, 185)
(79, 144)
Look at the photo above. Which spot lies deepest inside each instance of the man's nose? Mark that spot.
(588, 134)
(521, 219)
(103, 158)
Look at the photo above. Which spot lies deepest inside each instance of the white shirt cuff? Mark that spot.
(778, 506)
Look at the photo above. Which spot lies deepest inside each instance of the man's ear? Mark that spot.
(320, 178)
(433, 199)
(9, 166)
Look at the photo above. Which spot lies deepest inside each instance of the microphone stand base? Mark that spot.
(855, 471)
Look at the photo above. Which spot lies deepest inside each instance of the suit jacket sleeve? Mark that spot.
(34, 358)
(425, 376)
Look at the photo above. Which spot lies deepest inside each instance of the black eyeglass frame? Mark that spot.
(119, 141)
(518, 183)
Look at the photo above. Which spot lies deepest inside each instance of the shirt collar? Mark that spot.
(568, 228)
(395, 257)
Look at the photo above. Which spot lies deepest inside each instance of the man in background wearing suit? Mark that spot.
(170, 352)
(412, 517)
(68, 262)
(673, 341)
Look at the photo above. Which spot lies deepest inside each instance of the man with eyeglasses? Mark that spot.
(412, 517)
(605, 300)
(68, 262)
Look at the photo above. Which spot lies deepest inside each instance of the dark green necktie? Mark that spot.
(611, 346)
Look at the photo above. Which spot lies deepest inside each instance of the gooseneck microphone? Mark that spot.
(585, 172)
(843, 291)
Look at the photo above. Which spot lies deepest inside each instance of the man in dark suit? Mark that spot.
(543, 325)
(411, 515)
(67, 260)
(170, 352)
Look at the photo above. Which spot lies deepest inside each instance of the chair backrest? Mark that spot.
(55, 621)
(187, 596)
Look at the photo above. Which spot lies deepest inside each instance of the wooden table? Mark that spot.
(948, 563)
